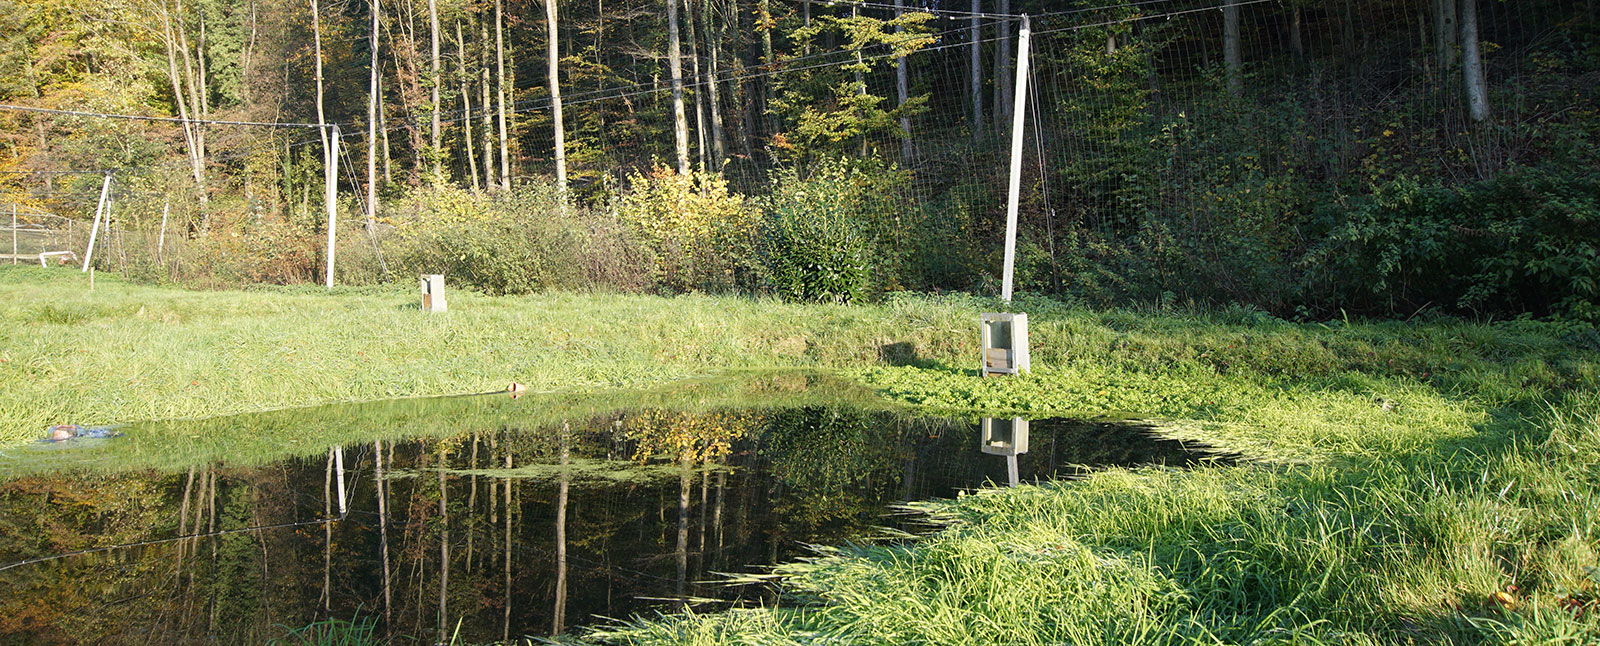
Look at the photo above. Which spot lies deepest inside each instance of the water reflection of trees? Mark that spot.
(502, 530)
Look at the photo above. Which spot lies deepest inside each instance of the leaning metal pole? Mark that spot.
(331, 172)
(1016, 158)
(105, 190)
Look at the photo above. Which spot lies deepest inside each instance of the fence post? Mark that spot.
(161, 242)
(332, 197)
(13, 234)
(88, 255)
(1019, 103)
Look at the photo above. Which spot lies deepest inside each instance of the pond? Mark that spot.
(487, 517)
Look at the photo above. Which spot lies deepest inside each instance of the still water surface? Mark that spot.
(498, 527)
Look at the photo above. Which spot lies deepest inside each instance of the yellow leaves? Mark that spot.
(685, 436)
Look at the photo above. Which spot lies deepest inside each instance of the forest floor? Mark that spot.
(1436, 481)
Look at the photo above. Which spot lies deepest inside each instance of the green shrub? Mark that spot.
(514, 242)
(697, 233)
(1526, 241)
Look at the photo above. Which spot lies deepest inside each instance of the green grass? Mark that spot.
(1431, 482)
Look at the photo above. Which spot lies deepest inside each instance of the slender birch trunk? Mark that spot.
(553, 54)
(434, 149)
(500, 91)
(713, 31)
(1472, 64)
(464, 75)
(680, 123)
(372, 119)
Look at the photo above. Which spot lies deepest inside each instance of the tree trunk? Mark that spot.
(699, 81)
(1446, 30)
(383, 128)
(463, 78)
(316, 38)
(973, 35)
(488, 113)
(1297, 44)
(769, 62)
(713, 31)
(680, 123)
(1230, 48)
(177, 79)
(372, 121)
(500, 90)
(1472, 74)
(554, 71)
(434, 151)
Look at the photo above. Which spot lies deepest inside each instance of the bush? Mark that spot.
(1527, 241)
(835, 232)
(814, 251)
(515, 242)
(698, 235)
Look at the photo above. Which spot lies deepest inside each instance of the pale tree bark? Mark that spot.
(179, 97)
(196, 75)
(973, 33)
(1230, 48)
(1446, 30)
(699, 95)
(372, 119)
(463, 78)
(553, 55)
(768, 61)
(316, 39)
(433, 94)
(383, 129)
(713, 30)
(680, 123)
(500, 91)
(1472, 74)
(488, 113)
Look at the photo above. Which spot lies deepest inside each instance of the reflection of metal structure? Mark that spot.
(1006, 437)
(1005, 343)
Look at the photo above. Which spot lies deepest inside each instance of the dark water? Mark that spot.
(499, 530)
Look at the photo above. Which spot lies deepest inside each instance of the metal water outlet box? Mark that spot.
(1005, 343)
(433, 293)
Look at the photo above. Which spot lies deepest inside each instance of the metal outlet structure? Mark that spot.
(433, 293)
(1005, 343)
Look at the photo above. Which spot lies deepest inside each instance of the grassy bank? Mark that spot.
(1433, 482)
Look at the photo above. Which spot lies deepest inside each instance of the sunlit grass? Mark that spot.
(1429, 482)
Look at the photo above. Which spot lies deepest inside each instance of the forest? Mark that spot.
(1306, 160)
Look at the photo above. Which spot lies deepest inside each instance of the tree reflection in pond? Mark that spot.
(497, 531)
